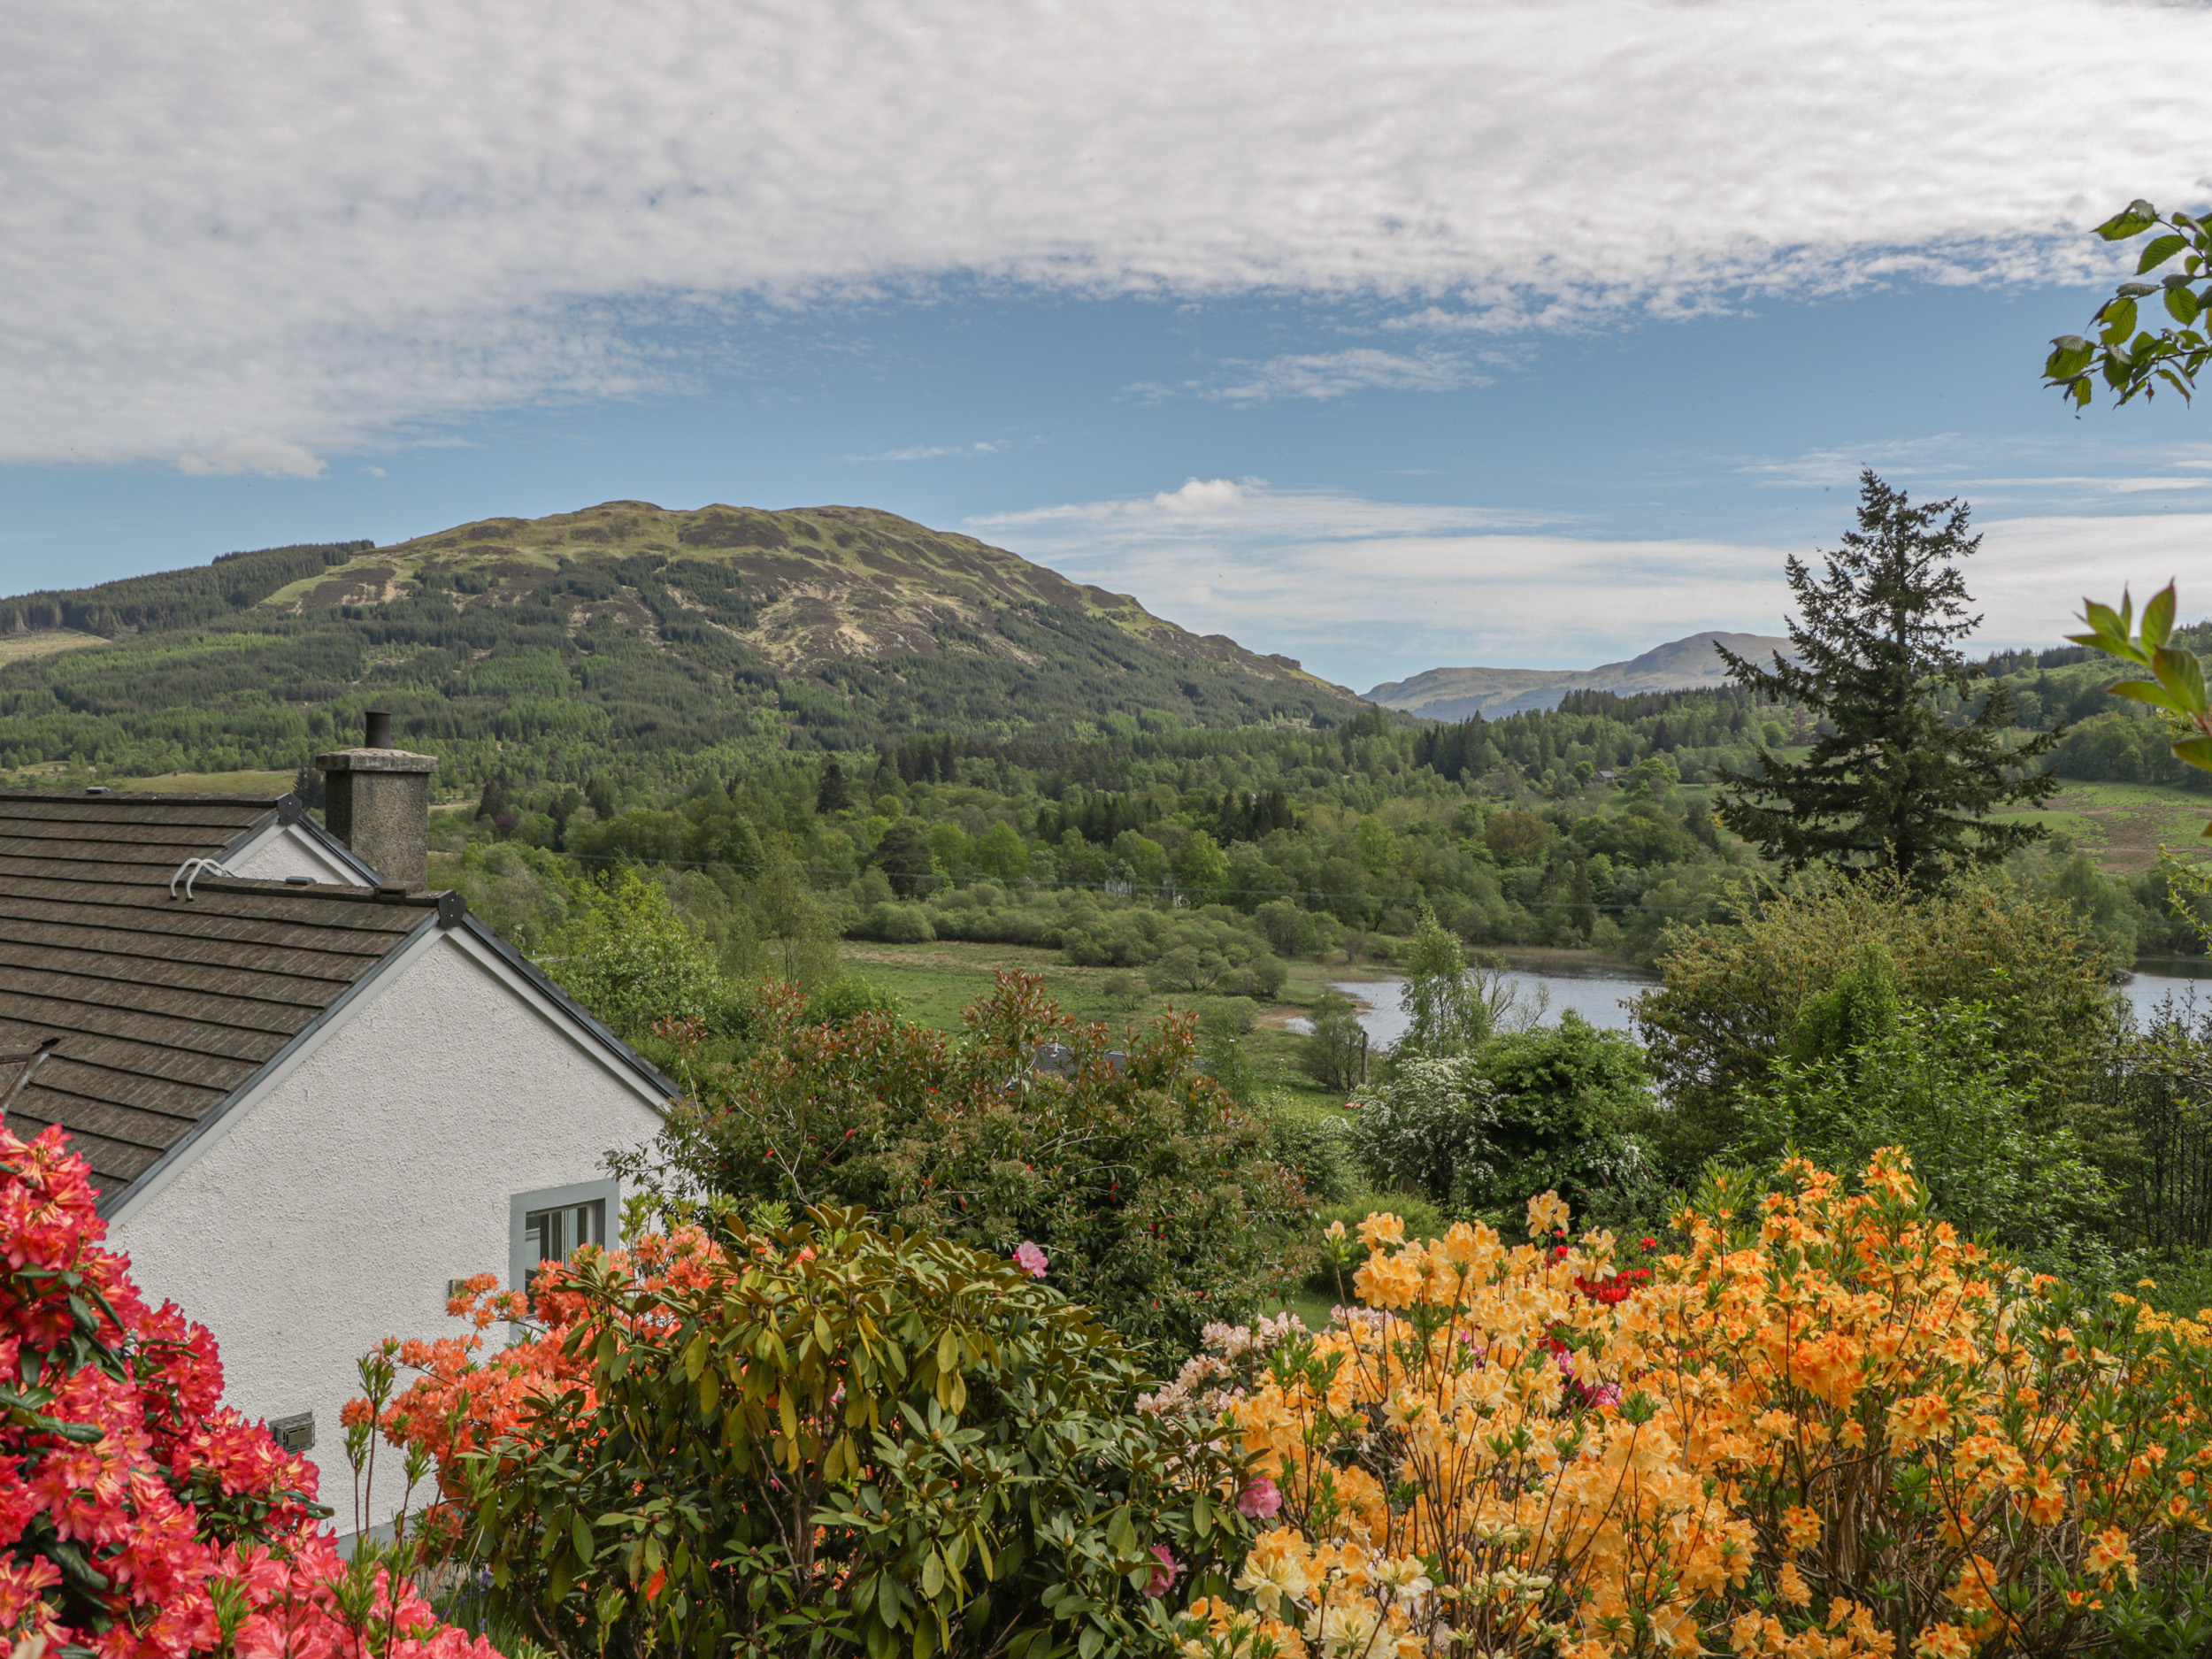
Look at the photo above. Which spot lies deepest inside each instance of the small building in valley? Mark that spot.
(312, 1093)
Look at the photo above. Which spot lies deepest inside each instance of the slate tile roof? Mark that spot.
(128, 1015)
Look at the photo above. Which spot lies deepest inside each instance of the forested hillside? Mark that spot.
(623, 641)
(1197, 856)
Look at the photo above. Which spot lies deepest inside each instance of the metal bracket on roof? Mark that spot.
(451, 908)
(190, 870)
(37, 1059)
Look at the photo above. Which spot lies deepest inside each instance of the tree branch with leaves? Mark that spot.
(2133, 361)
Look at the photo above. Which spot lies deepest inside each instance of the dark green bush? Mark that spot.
(1159, 1201)
(838, 1439)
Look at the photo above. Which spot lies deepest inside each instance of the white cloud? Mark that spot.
(939, 451)
(327, 222)
(1324, 375)
(1363, 591)
(271, 457)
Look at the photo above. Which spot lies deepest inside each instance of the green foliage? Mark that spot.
(629, 959)
(1334, 1052)
(1552, 1107)
(1445, 1009)
(2132, 361)
(1201, 954)
(1932, 1080)
(1862, 1006)
(1314, 1143)
(2157, 1095)
(840, 1439)
(1159, 1202)
(1732, 994)
(1894, 782)
(1570, 1098)
(1222, 1025)
(1427, 1131)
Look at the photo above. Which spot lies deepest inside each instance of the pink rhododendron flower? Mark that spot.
(1163, 1576)
(1030, 1259)
(1260, 1500)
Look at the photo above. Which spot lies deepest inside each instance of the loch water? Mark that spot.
(1601, 994)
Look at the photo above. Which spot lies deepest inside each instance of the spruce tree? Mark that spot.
(1895, 781)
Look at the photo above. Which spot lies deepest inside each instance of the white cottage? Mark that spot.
(311, 1097)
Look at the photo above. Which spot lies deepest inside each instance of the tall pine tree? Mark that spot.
(1896, 782)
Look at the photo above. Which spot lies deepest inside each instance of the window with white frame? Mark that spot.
(553, 1224)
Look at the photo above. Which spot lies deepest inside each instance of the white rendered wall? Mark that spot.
(285, 851)
(329, 1214)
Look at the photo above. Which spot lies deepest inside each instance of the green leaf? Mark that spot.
(579, 1535)
(2070, 356)
(2182, 305)
(2181, 673)
(2135, 290)
(2146, 691)
(2194, 752)
(2132, 220)
(2158, 617)
(2118, 317)
(2158, 250)
(933, 1575)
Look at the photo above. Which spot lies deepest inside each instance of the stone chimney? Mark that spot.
(376, 799)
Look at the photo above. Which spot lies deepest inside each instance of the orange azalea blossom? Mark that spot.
(462, 1400)
(1828, 1427)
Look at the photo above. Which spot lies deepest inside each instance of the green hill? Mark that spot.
(625, 640)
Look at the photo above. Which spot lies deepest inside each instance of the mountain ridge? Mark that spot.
(1455, 694)
(625, 628)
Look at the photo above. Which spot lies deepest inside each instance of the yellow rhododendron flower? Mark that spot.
(1518, 1452)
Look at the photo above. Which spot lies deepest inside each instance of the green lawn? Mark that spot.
(212, 783)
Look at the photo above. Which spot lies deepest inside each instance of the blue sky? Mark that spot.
(1286, 332)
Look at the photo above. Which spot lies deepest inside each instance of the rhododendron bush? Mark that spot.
(1827, 1427)
(831, 1438)
(141, 1518)
(1160, 1203)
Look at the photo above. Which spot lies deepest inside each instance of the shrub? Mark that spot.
(1825, 1429)
(1204, 953)
(1158, 1200)
(1427, 1131)
(1931, 1083)
(144, 1519)
(1732, 991)
(1334, 1053)
(898, 925)
(1315, 1144)
(1571, 1099)
(629, 959)
(832, 1438)
(1551, 1107)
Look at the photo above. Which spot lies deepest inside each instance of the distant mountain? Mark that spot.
(1453, 694)
(620, 638)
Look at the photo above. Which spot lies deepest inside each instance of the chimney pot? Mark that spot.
(378, 730)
